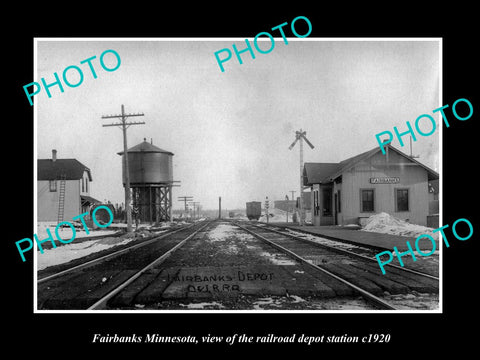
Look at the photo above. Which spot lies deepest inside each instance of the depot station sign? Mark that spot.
(384, 180)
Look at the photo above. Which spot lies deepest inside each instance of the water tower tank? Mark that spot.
(148, 164)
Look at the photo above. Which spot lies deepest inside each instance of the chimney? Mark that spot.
(54, 155)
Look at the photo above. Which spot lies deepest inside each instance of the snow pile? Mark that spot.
(386, 224)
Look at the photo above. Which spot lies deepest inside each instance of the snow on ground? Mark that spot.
(414, 301)
(63, 254)
(386, 224)
(204, 305)
(283, 302)
(281, 216)
(278, 259)
(276, 301)
(323, 241)
(77, 249)
(66, 232)
(276, 215)
(224, 231)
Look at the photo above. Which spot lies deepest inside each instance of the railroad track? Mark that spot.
(92, 259)
(90, 285)
(341, 247)
(356, 271)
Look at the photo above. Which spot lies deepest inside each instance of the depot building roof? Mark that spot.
(320, 173)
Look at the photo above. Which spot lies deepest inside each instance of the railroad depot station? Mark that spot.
(352, 190)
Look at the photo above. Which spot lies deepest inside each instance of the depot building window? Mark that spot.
(367, 200)
(401, 200)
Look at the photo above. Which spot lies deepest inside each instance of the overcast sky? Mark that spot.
(230, 131)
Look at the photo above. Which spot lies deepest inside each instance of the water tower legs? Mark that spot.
(154, 203)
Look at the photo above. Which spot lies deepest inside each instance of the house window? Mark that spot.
(52, 185)
(327, 202)
(367, 200)
(83, 185)
(86, 185)
(401, 200)
(315, 203)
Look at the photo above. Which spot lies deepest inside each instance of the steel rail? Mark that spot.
(109, 256)
(367, 295)
(343, 251)
(102, 303)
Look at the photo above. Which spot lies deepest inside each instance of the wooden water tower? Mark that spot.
(151, 180)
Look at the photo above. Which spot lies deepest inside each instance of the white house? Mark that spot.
(63, 189)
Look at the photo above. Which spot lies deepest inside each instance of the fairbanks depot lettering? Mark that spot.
(217, 280)
(384, 180)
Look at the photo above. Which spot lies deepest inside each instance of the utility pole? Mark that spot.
(191, 209)
(124, 125)
(219, 207)
(301, 136)
(185, 199)
(300, 201)
(195, 211)
(267, 206)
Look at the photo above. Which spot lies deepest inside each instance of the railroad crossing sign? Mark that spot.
(300, 135)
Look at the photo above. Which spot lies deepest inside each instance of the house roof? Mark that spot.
(316, 173)
(47, 169)
(146, 147)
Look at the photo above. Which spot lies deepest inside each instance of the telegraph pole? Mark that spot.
(300, 201)
(185, 199)
(267, 206)
(195, 211)
(301, 135)
(124, 125)
(219, 207)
